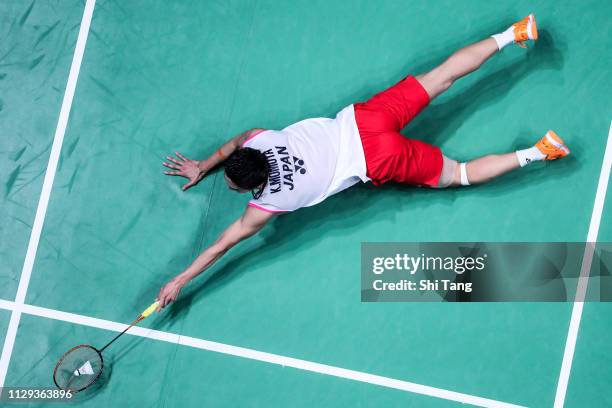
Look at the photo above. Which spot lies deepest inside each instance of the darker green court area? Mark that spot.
(163, 76)
(35, 55)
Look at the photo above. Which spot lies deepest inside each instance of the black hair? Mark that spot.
(249, 169)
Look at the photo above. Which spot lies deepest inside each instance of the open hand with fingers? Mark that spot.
(184, 167)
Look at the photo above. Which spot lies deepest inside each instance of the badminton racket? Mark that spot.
(81, 366)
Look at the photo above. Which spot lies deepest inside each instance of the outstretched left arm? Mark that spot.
(195, 170)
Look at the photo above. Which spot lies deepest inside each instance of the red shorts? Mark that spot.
(389, 155)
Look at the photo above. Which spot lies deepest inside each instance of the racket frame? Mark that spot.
(70, 351)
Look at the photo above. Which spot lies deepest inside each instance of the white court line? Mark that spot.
(583, 280)
(43, 201)
(255, 355)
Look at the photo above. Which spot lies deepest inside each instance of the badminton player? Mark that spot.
(307, 162)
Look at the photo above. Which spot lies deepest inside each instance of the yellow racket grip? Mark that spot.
(149, 310)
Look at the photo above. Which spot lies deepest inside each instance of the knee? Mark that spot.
(445, 83)
(436, 81)
(444, 76)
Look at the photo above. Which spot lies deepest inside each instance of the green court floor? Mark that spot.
(4, 319)
(186, 75)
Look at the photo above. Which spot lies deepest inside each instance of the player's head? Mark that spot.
(247, 169)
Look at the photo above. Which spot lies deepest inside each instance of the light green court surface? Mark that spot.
(178, 75)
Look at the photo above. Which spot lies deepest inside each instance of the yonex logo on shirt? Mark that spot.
(282, 169)
(298, 163)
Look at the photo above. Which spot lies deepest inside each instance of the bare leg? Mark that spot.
(438, 80)
(463, 62)
(459, 64)
(486, 168)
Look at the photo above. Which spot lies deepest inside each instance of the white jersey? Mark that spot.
(309, 161)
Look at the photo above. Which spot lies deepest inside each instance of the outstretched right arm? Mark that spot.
(247, 225)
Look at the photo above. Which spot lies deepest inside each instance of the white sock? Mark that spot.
(527, 156)
(504, 38)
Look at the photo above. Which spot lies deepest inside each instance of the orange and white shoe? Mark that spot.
(525, 30)
(552, 146)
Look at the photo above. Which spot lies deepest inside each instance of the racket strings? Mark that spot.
(79, 368)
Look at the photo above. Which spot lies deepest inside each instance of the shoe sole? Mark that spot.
(532, 27)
